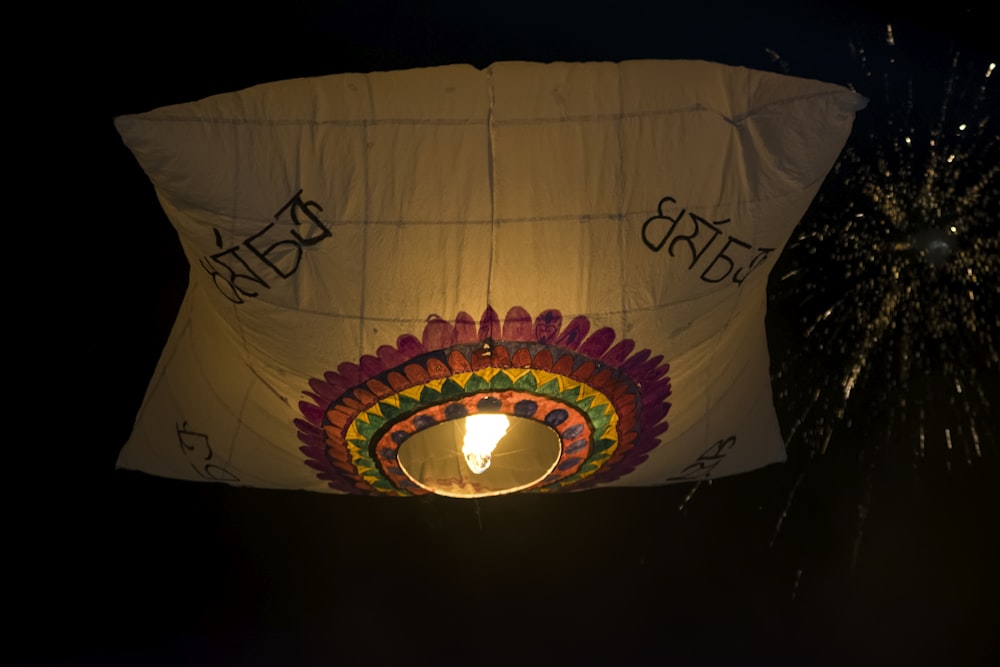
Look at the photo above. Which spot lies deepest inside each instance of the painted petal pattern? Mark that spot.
(607, 405)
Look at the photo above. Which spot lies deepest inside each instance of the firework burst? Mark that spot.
(883, 315)
(892, 276)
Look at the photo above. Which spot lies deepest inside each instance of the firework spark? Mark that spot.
(893, 272)
(886, 299)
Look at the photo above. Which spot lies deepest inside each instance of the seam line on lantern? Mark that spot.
(367, 213)
(491, 157)
(620, 217)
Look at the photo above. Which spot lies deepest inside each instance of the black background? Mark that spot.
(119, 568)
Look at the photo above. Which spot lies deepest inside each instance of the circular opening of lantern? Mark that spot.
(480, 455)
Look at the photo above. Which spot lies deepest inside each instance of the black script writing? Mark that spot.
(687, 233)
(239, 271)
(704, 464)
(199, 452)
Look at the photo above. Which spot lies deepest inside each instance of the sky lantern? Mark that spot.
(533, 277)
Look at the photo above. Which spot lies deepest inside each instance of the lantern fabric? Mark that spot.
(586, 245)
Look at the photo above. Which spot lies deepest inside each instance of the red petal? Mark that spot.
(416, 374)
(397, 381)
(480, 359)
(338, 454)
(380, 389)
(625, 405)
(339, 416)
(542, 360)
(500, 357)
(458, 362)
(602, 380)
(366, 397)
(564, 366)
(353, 404)
(522, 359)
(437, 369)
(584, 372)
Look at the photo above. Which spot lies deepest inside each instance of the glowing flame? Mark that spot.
(482, 433)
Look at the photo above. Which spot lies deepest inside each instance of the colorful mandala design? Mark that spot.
(607, 405)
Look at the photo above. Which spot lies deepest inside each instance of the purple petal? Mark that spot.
(409, 346)
(351, 372)
(655, 394)
(311, 412)
(598, 343)
(489, 325)
(324, 390)
(390, 357)
(617, 355)
(337, 381)
(517, 325)
(465, 328)
(438, 334)
(547, 326)
(370, 366)
(574, 333)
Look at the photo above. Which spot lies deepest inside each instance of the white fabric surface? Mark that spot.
(443, 190)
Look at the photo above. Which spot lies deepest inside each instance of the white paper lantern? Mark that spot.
(582, 247)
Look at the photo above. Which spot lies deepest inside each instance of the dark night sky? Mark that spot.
(135, 570)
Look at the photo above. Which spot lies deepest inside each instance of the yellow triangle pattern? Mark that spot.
(583, 391)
